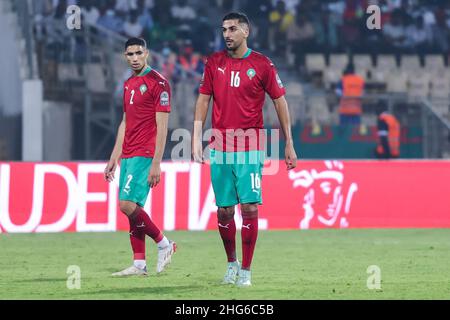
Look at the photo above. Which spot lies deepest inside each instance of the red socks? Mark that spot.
(141, 223)
(249, 234)
(137, 239)
(228, 233)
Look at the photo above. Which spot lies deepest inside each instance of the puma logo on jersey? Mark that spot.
(162, 83)
(221, 70)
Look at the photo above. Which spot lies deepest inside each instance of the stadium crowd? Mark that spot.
(298, 25)
(184, 32)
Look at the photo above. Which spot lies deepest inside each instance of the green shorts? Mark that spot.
(133, 184)
(236, 177)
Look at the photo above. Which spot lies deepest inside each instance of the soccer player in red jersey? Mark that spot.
(140, 144)
(237, 79)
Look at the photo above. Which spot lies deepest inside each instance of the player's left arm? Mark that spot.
(274, 87)
(162, 99)
(281, 107)
(162, 119)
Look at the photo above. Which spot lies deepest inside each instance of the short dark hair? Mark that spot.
(135, 42)
(241, 17)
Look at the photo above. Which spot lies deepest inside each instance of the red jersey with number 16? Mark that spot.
(144, 95)
(238, 87)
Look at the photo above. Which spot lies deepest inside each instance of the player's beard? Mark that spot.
(235, 46)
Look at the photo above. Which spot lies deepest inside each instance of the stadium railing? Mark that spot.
(436, 132)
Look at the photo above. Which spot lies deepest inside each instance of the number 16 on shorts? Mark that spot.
(256, 182)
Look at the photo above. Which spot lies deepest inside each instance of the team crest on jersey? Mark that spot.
(280, 83)
(164, 98)
(251, 73)
(143, 89)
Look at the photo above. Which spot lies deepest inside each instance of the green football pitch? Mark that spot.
(313, 264)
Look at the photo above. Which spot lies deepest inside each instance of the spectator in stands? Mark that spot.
(183, 12)
(169, 66)
(187, 78)
(388, 136)
(43, 11)
(351, 30)
(162, 31)
(441, 32)
(184, 16)
(280, 20)
(132, 28)
(43, 8)
(90, 12)
(428, 16)
(447, 10)
(203, 34)
(60, 9)
(258, 12)
(109, 20)
(351, 90)
(300, 36)
(354, 9)
(394, 32)
(351, 34)
(291, 5)
(418, 35)
(335, 20)
(146, 18)
(123, 7)
(162, 7)
(314, 10)
(190, 62)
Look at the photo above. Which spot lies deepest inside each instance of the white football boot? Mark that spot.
(131, 271)
(244, 279)
(165, 256)
(232, 273)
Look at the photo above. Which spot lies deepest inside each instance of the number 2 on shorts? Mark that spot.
(127, 187)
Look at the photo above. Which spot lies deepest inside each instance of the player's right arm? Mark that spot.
(201, 110)
(117, 151)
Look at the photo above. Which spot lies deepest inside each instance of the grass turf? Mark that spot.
(313, 264)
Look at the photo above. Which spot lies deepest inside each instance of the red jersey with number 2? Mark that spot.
(238, 87)
(143, 97)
